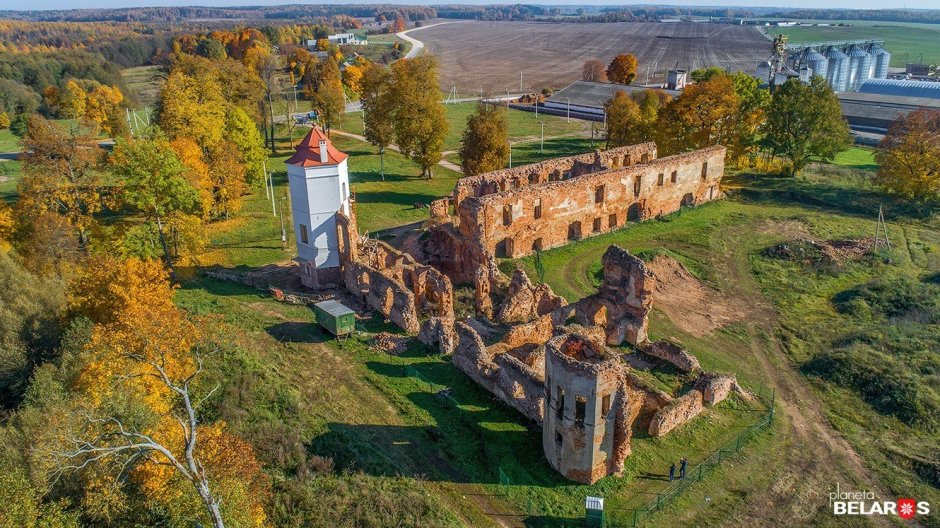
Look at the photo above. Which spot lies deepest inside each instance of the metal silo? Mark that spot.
(838, 70)
(859, 67)
(879, 63)
(816, 62)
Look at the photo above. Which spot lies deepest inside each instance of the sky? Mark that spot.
(71, 4)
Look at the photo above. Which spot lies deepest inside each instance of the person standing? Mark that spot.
(672, 471)
(682, 464)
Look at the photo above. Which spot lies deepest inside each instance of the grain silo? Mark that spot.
(763, 72)
(817, 62)
(859, 67)
(879, 63)
(837, 72)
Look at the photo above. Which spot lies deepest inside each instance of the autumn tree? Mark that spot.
(378, 104)
(805, 123)
(594, 71)
(623, 120)
(242, 132)
(141, 399)
(4, 121)
(227, 174)
(420, 118)
(326, 92)
(6, 226)
(154, 181)
(622, 70)
(71, 100)
(197, 171)
(104, 108)
(193, 106)
(753, 101)
(909, 156)
(484, 146)
(399, 25)
(60, 177)
(352, 77)
(704, 115)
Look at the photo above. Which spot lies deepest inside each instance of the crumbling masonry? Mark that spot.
(557, 373)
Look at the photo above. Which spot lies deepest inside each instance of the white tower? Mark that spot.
(319, 187)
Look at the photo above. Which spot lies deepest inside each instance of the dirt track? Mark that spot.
(492, 54)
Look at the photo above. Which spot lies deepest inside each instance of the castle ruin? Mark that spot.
(553, 362)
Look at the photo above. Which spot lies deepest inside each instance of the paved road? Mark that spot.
(416, 45)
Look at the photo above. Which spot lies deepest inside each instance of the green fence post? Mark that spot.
(700, 471)
(738, 444)
(658, 497)
(773, 398)
(635, 512)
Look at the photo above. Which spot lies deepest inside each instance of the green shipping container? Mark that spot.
(594, 512)
(336, 318)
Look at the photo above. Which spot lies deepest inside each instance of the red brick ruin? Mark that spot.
(553, 362)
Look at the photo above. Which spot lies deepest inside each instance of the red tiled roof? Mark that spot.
(308, 151)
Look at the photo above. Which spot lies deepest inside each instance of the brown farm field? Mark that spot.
(492, 54)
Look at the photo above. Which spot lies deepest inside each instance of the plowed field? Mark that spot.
(492, 54)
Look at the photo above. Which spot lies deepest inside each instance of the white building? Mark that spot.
(319, 187)
(342, 39)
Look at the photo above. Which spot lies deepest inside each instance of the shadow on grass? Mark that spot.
(398, 198)
(550, 521)
(831, 197)
(296, 332)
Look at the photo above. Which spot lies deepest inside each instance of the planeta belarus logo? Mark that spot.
(865, 503)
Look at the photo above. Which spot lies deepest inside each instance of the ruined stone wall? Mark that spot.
(553, 170)
(623, 301)
(505, 376)
(394, 284)
(515, 222)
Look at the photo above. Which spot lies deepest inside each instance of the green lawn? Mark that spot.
(905, 42)
(9, 142)
(522, 125)
(857, 158)
(9, 177)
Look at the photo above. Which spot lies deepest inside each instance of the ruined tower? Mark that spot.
(319, 188)
(583, 434)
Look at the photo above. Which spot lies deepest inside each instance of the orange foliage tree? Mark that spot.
(622, 70)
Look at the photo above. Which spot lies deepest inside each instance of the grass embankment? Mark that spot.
(905, 41)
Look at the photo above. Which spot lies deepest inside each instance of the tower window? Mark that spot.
(704, 169)
(580, 409)
(538, 208)
(605, 405)
(599, 194)
(507, 215)
(661, 179)
(561, 403)
(597, 225)
(303, 234)
(675, 176)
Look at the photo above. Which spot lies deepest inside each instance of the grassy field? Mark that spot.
(522, 125)
(8, 142)
(144, 84)
(905, 41)
(857, 158)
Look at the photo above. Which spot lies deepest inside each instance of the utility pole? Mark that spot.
(295, 98)
(569, 110)
(542, 144)
(283, 231)
(273, 206)
(510, 154)
(520, 82)
(267, 188)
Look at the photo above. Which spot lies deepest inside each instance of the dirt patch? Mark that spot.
(691, 305)
(391, 344)
(831, 252)
(4, 179)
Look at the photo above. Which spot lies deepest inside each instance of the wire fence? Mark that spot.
(633, 517)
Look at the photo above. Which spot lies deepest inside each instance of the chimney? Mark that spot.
(324, 157)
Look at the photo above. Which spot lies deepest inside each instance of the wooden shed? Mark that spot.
(335, 317)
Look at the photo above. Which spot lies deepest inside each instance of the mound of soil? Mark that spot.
(391, 344)
(691, 305)
(807, 251)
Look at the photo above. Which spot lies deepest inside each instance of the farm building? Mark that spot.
(902, 88)
(874, 112)
(585, 99)
(347, 39)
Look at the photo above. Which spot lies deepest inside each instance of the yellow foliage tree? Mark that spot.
(352, 76)
(622, 70)
(4, 121)
(6, 226)
(103, 108)
(72, 100)
(197, 171)
(193, 107)
(227, 173)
